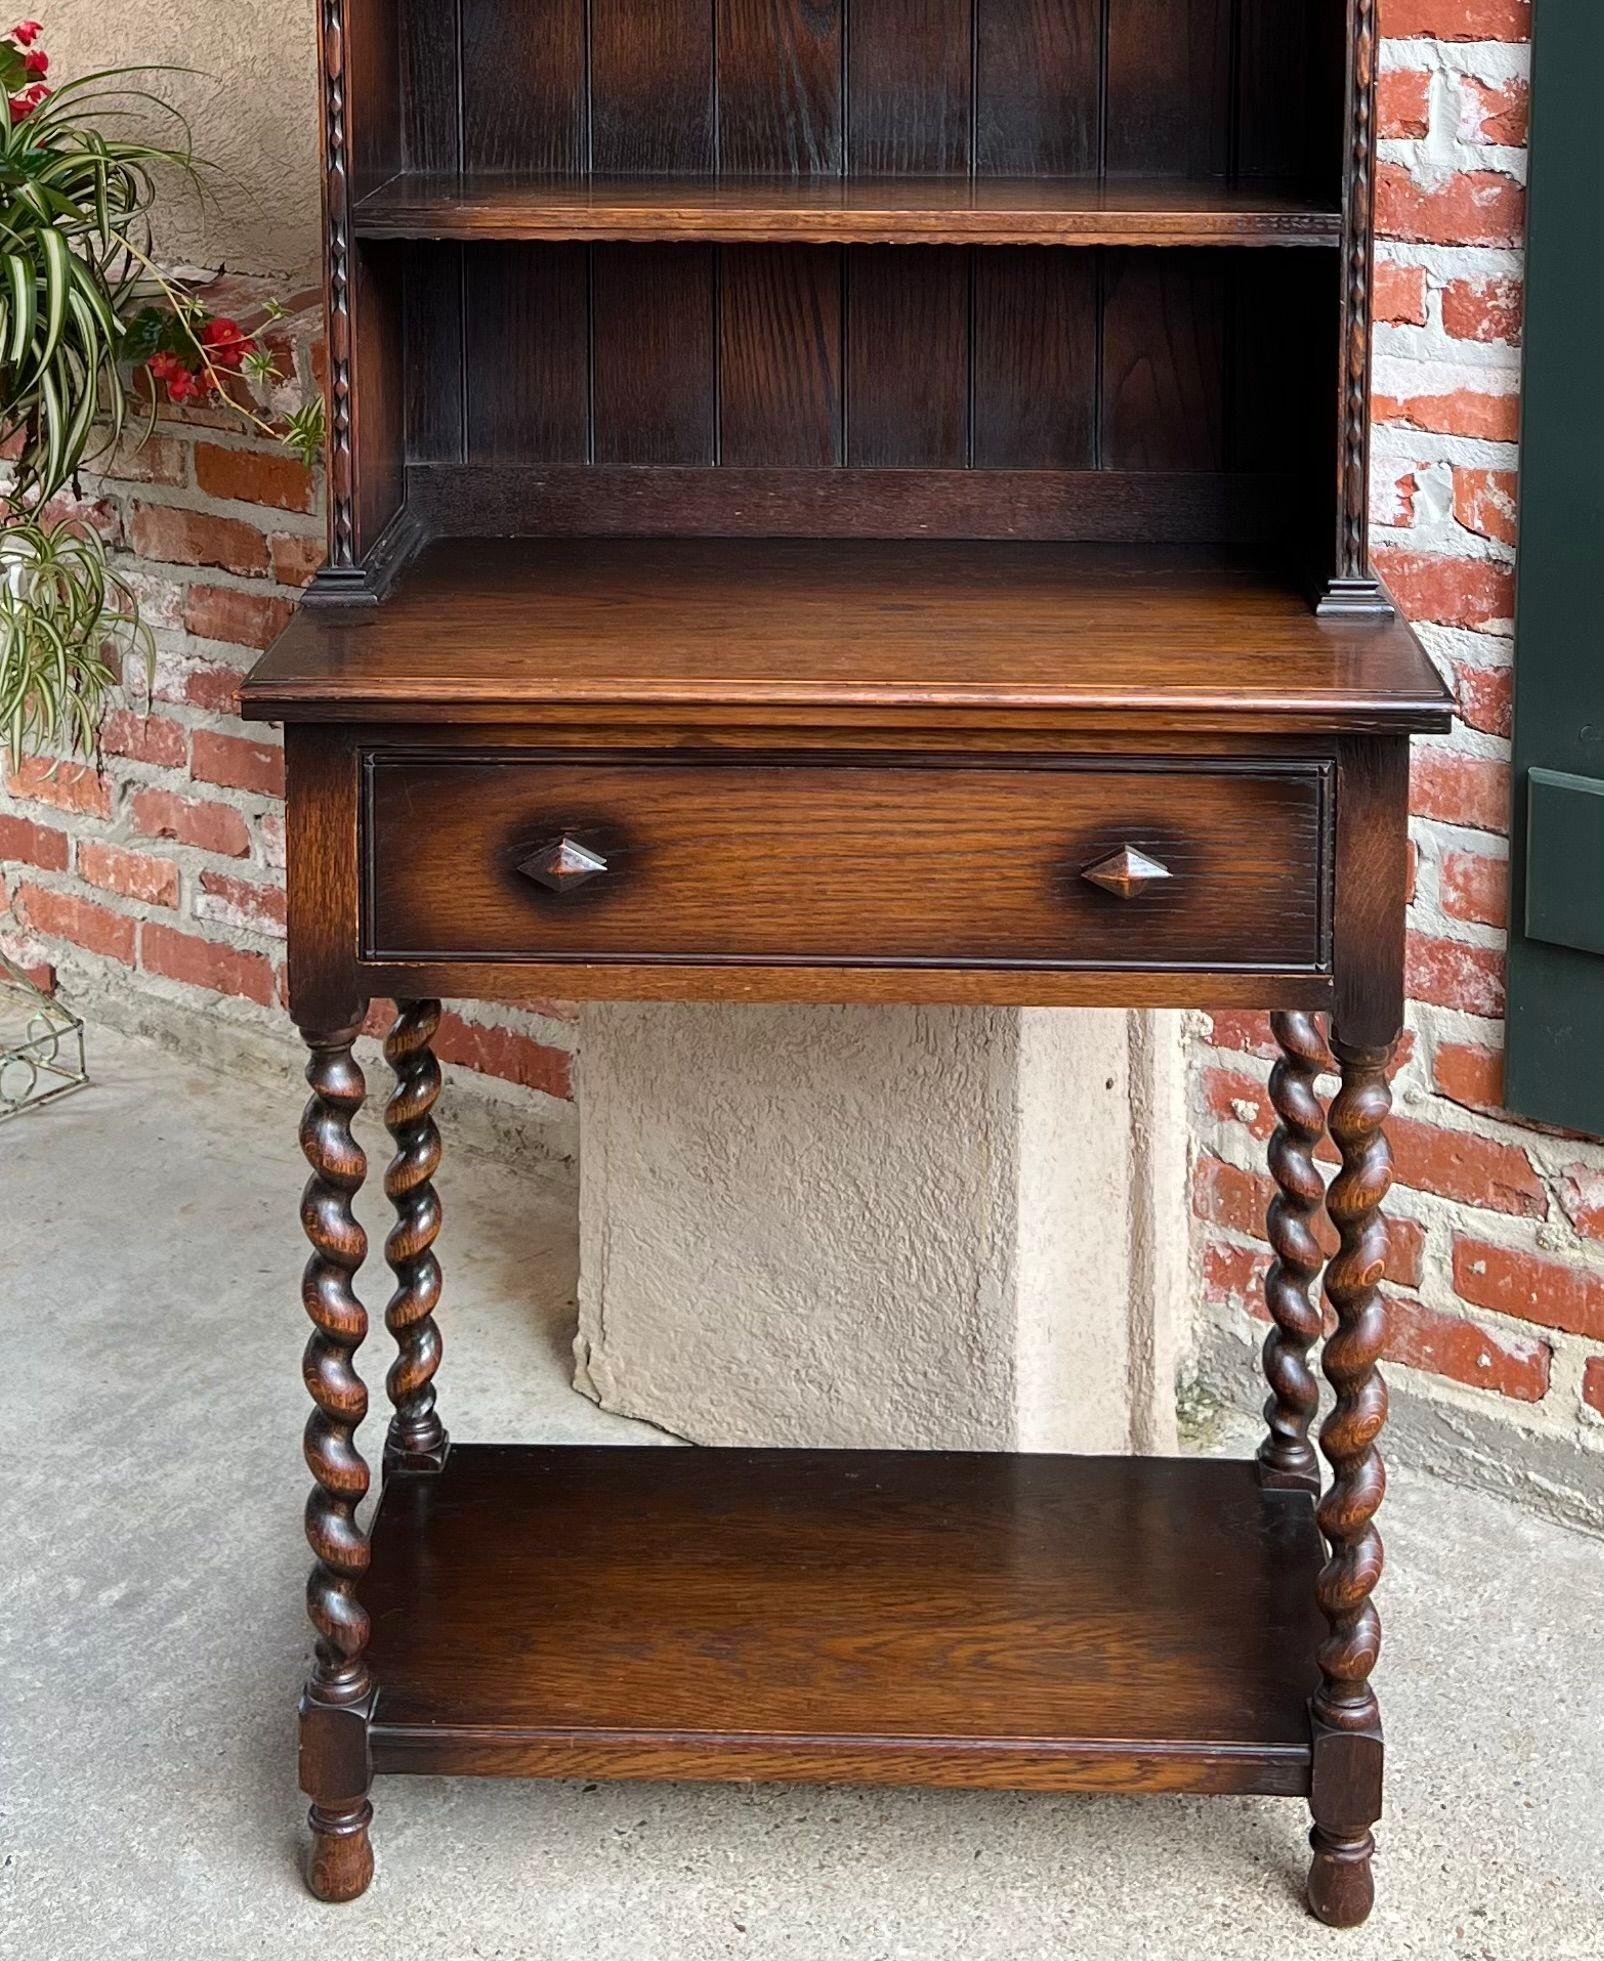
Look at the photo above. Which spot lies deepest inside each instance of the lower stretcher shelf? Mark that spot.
(884, 1617)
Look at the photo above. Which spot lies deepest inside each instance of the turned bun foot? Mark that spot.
(1341, 1888)
(341, 1864)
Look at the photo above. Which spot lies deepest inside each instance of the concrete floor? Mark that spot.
(152, 1644)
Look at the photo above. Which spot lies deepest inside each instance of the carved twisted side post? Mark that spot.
(1346, 1792)
(335, 1771)
(417, 1439)
(1286, 1457)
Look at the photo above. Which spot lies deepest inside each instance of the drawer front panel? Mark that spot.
(833, 863)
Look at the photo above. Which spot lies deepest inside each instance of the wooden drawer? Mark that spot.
(835, 862)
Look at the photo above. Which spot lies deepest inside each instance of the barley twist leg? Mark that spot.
(417, 1439)
(1286, 1457)
(1346, 1797)
(338, 1696)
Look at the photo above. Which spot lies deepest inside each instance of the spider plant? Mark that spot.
(75, 204)
(66, 614)
(78, 185)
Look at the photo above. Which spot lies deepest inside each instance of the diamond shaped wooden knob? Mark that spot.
(563, 865)
(1127, 872)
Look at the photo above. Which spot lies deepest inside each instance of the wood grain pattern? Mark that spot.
(825, 864)
(652, 353)
(779, 86)
(1168, 86)
(1108, 507)
(907, 360)
(433, 325)
(1137, 638)
(1034, 395)
(651, 86)
(1038, 89)
(909, 76)
(980, 1619)
(1164, 356)
(780, 397)
(523, 85)
(431, 90)
(527, 378)
(1159, 367)
(865, 209)
(874, 986)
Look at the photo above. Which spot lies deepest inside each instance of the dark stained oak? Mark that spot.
(876, 863)
(417, 1439)
(823, 210)
(1347, 1717)
(1152, 637)
(725, 603)
(339, 1692)
(876, 1616)
(1286, 1457)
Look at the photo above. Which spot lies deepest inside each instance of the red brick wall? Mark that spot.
(162, 871)
(1498, 1281)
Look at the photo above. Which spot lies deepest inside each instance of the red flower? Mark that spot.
(182, 383)
(25, 33)
(23, 105)
(36, 61)
(227, 344)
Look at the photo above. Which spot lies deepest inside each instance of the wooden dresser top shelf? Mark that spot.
(1137, 637)
(957, 210)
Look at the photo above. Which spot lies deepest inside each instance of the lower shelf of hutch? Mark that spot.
(845, 1616)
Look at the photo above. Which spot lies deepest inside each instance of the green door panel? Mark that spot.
(1555, 1062)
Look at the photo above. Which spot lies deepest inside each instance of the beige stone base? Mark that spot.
(959, 1228)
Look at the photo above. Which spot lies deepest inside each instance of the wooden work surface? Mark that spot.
(1151, 636)
(937, 210)
(837, 1613)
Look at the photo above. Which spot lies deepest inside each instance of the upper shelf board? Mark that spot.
(846, 210)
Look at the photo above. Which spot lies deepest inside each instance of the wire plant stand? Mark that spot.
(41, 1046)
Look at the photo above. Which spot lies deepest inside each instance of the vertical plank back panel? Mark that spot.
(780, 359)
(907, 358)
(527, 355)
(523, 85)
(652, 340)
(910, 69)
(779, 85)
(1168, 87)
(1035, 360)
(1274, 50)
(651, 85)
(435, 369)
(1038, 87)
(431, 85)
(1164, 360)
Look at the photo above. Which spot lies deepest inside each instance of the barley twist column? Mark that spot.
(417, 1439)
(340, 1688)
(1347, 1720)
(1286, 1457)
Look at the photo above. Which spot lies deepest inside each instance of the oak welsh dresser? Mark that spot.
(849, 500)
